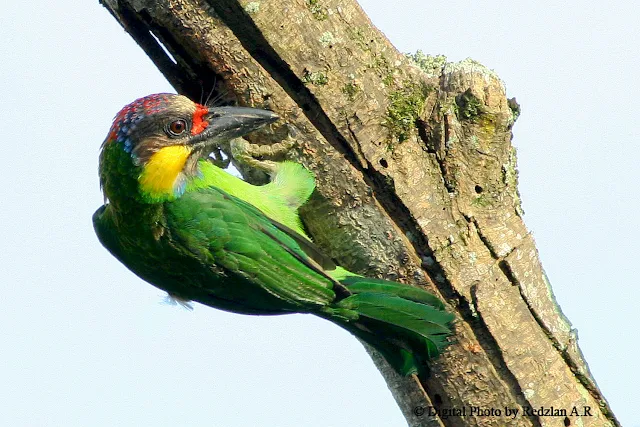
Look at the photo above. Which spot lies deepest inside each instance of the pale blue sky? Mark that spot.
(88, 343)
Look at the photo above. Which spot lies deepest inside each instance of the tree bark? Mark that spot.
(416, 182)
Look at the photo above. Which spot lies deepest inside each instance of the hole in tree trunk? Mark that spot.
(437, 400)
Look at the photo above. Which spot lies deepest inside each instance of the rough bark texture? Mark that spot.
(417, 182)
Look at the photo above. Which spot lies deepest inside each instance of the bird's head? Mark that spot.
(154, 144)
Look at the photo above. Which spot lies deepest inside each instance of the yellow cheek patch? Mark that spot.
(159, 177)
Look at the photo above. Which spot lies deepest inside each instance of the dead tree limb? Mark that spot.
(417, 182)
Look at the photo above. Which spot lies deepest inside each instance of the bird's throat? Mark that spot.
(162, 177)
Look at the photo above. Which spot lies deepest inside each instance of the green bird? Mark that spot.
(183, 224)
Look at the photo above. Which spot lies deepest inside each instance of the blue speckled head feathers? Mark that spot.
(126, 121)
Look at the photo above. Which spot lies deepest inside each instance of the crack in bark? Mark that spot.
(156, 41)
(489, 345)
(140, 31)
(249, 35)
(430, 146)
(584, 380)
(360, 153)
(504, 266)
(482, 237)
(434, 141)
(493, 156)
(450, 186)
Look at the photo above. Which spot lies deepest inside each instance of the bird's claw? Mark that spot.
(249, 154)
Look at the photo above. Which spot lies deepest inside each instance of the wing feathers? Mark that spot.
(239, 238)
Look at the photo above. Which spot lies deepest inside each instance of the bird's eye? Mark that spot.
(177, 127)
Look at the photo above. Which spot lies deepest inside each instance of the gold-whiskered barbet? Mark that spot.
(188, 227)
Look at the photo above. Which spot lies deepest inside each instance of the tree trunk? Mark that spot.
(416, 182)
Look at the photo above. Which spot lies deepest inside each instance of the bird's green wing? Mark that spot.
(230, 234)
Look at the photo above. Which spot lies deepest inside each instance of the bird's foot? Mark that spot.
(250, 154)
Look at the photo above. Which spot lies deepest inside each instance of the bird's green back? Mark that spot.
(290, 186)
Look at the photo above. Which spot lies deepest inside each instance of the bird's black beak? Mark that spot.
(226, 123)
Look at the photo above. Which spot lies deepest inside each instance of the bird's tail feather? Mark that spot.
(359, 284)
(406, 324)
